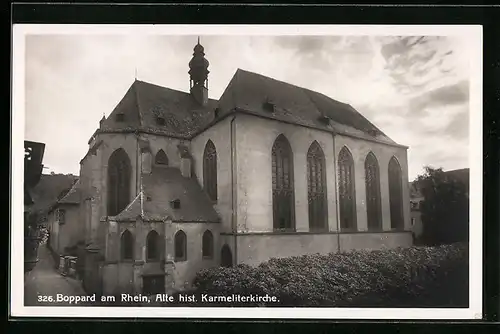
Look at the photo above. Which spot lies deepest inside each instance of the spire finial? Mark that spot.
(198, 39)
(135, 75)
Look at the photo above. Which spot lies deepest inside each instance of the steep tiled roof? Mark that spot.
(45, 193)
(250, 92)
(143, 102)
(73, 195)
(247, 92)
(159, 189)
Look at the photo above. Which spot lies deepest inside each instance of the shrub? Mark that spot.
(412, 277)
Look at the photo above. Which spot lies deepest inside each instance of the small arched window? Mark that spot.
(208, 245)
(226, 258)
(180, 245)
(283, 185)
(372, 183)
(153, 246)
(396, 194)
(316, 187)
(347, 198)
(127, 245)
(161, 158)
(119, 174)
(210, 170)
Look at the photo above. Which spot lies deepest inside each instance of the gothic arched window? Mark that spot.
(119, 173)
(210, 170)
(347, 198)
(226, 258)
(396, 194)
(208, 245)
(283, 188)
(372, 183)
(180, 246)
(316, 188)
(127, 245)
(153, 246)
(161, 158)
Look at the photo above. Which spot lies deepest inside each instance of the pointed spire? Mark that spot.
(198, 73)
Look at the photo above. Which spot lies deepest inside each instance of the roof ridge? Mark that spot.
(166, 88)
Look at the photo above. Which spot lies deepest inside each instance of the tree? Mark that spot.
(445, 209)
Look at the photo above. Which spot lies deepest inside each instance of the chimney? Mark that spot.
(185, 160)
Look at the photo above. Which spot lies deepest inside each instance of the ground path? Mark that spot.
(45, 281)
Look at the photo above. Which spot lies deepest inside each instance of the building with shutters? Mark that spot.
(174, 182)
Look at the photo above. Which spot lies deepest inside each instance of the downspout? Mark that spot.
(233, 195)
(336, 194)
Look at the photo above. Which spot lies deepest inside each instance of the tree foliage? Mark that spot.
(445, 209)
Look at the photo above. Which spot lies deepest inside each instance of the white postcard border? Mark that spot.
(474, 32)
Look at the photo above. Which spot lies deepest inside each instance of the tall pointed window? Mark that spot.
(161, 158)
(347, 198)
(210, 170)
(316, 188)
(180, 246)
(127, 245)
(208, 245)
(395, 194)
(153, 246)
(119, 173)
(372, 183)
(283, 188)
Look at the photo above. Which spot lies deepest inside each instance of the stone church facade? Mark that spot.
(175, 182)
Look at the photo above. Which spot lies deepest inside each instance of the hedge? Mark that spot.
(402, 277)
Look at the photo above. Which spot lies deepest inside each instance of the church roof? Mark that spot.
(144, 102)
(247, 92)
(253, 93)
(159, 189)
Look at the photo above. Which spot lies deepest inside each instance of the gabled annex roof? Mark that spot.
(159, 189)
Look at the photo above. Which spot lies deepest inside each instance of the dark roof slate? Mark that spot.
(250, 91)
(144, 102)
(73, 195)
(159, 189)
(246, 92)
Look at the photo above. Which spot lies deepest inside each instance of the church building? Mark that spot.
(174, 182)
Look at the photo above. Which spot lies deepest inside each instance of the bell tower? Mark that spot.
(198, 74)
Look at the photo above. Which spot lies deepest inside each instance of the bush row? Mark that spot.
(411, 277)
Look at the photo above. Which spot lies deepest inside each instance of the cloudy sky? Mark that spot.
(415, 89)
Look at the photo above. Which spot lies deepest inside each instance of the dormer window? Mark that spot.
(176, 204)
(324, 119)
(269, 106)
(160, 120)
(120, 117)
(216, 112)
